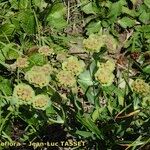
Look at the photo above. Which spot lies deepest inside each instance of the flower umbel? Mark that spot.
(105, 72)
(93, 43)
(45, 69)
(38, 79)
(45, 50)
(41, 101)
(73, 65)
(66, 78)
(110, 42)
(23, 93)
(105, 77)
(141, 87)
(109, 65)
(22, 62)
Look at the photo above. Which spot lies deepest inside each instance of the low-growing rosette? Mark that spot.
(66, 78)
(73, 65)
(93, 43)
(41, 102)
(38, 79)
(23, 93)
(45, 50)
(139, 86)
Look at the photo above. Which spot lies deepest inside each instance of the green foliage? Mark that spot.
(80, 65)
(56, 18)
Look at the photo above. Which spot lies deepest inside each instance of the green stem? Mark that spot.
(3, 122)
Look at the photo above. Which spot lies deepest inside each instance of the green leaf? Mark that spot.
(53, 116)
(88, 122)
(41, 4)
(23, 4)
(58, 23)
(7, 29)
(130, 12)
(56, 17)
(147, 3)
(126, 22)
(2, 57)
(119, 93)
(37, 59)
(5, 86)
(86, 78)
(26, 22)
(115, 11)
(86, 83)
(84, 134)
(147, 69)
(14, 4)
(145, 17)
(89, 8)
(93, 27)
(5, 50)
(12, 54)
(143, 28)
(95, 115)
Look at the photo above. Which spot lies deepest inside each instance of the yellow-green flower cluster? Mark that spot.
(66, 78)
(45, 69)
(104, 77)
(22, 62)
(38, 79)
(73, 65)
(93, 43)
(39, 76)
(108, 65)
(110, 43)
(40, 101)
(139, 86)
(45, 50)
(23, 93)
(105, 73)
